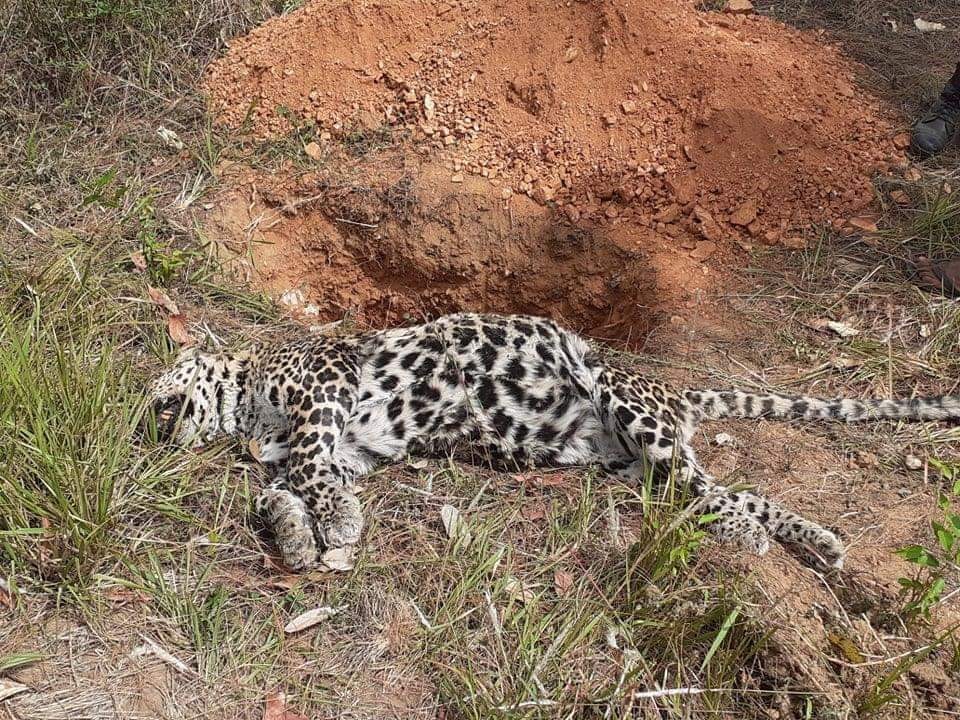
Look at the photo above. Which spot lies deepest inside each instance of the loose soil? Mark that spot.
(578, 159)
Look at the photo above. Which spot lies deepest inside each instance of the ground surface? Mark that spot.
(634, 173)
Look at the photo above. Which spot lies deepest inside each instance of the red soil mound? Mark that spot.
(716, 125)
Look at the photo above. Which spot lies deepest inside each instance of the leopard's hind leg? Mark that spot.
(648, 421)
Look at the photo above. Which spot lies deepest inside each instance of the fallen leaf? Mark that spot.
(161, 299)
(139, 261)
(9, 688)
(518, 591)
(122, 596)
(453, 523)
(533, 511)
(275, 708)
(149, 648)
(170, 138)
(562, 581)
(555, 480)
(177, 329)
(926, 26)
(310, 618)
(866, 223)
(285, 582)
(847, 647)
(912, 174)
(339, 559)
(900, 197)
(6, 598)
(841, 329)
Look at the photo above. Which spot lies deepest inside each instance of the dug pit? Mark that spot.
(390, 243)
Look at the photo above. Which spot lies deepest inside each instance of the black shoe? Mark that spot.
(934, 131)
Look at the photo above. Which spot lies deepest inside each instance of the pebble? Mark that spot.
(912, 462)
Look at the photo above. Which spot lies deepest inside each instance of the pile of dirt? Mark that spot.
(703, 126)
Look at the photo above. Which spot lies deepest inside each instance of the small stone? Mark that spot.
(745, 214)
(703, 250)
(866, 459)
(901, 141)
(793, 243)
(456, 177)
(506, 193)
(866, 223)
(900, 198)
(313, 150)
(410, 97)
(738, 7)
(903, 492)
(611, 211)
(429, 107)
(669, 214)
(629, 107)
(609, 119)
(544, 193)
(708, 226)
(571, 54)
(572, 213)
(724, 440)
(912, 462)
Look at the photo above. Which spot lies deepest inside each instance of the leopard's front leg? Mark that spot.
(286, 516)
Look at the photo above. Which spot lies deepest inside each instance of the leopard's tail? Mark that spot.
(717, 404)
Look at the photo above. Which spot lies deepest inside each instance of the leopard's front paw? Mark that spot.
(339, 518)
(292, 526)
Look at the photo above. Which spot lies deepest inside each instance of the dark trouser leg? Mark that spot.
(951, 92)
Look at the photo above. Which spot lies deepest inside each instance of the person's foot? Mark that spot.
(935, 130)
(943, 277)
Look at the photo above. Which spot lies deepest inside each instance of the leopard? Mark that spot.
(325, 409)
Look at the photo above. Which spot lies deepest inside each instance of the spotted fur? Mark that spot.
(324, 411)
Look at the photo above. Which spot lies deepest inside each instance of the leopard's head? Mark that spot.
(197, 398)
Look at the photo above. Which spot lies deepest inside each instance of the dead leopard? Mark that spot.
(326, 410)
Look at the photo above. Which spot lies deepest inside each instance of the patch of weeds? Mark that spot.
(69, 407)
(162, 259)
(926, 589)
(198, 608)
(362, 141)
(932, 228)
(401, 198)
